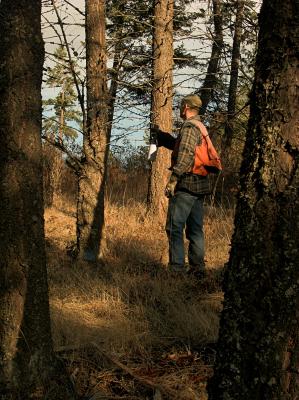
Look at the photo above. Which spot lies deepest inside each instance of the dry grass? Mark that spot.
(129, 305)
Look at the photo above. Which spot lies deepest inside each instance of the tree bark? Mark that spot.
(161, 102)
(206, 92)
(234, 72)
(90, 207)
(258, 339)
(27, 359)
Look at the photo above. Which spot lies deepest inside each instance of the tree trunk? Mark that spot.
(61, 118)
(161, 102)
(117, 63)
(258, 339)
(26, 351)
(206, 92)
(90, 207)
(234, 72)
(113, 86)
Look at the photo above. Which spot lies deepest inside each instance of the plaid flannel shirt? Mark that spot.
(189, 137)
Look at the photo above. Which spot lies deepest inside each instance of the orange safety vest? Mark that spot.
(206, 158)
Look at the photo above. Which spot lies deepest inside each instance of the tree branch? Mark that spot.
(80, 95)
(73, 162)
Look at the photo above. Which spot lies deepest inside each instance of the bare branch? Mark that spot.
(73, 162)
(74, 7)
(71, 63)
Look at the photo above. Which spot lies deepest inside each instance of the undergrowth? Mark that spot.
(130, 312)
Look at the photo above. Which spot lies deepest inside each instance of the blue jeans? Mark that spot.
(185, 211)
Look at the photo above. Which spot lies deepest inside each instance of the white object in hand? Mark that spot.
(152, 153)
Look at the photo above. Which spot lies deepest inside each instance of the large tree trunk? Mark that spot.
(161, 102)
(90, 208)
(206, 91)
(234, 73)
(26, 352)
(258, 352)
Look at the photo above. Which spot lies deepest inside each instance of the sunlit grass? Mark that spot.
(129, 305)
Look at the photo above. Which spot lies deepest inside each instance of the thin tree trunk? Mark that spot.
(258, 354)
(206, 92)
(26, 351)
(57, 160)
(80, 91)
(117, 61)
(234, 72)
(90, 207)
(113, 87)
(161, 102)
(61, 119)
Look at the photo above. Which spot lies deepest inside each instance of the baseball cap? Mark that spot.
(192, 100)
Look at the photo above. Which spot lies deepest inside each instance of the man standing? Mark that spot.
(186, 189)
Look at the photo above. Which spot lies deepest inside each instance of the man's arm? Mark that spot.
(163, 139)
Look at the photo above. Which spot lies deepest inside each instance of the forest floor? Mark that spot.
(126, 328)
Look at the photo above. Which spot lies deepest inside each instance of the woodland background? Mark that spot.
(84, 209)
(139, 311)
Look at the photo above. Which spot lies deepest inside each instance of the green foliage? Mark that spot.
(183, 23)
(129, 45)
(62, 116)
(129, 34)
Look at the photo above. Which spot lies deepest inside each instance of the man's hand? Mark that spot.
(170, 187)
(154, 132)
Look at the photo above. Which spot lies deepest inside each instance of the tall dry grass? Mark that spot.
(128, 305)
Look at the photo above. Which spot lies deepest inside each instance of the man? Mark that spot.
(186, 189)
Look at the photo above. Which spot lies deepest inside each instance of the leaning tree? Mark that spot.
(92, 176)
(258, 348)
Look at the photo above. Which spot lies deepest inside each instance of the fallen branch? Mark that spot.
(159, 390)
(144, 381)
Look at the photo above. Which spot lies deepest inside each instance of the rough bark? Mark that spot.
(26, 352)
(161, 101)
(206, 92)
(90, 207)
(258, 339)
(234, 72)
